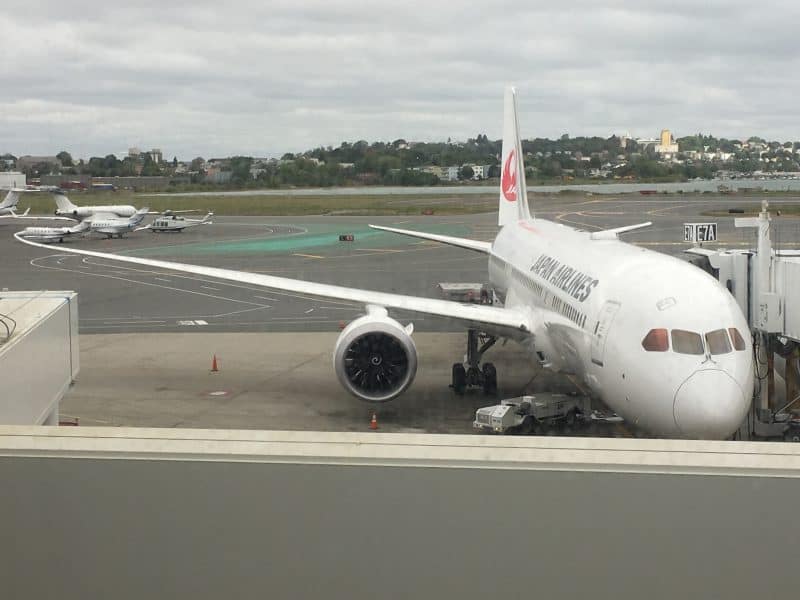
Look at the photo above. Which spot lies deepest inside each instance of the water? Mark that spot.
(705, 185)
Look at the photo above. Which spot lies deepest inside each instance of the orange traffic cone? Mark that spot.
(373, 424)
(214, 368)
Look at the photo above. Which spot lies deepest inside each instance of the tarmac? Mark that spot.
(148, 336)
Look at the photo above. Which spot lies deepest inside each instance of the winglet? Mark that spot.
(612, 234)
(513, 191)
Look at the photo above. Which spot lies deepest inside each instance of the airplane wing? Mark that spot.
(500, 320)
(101, 216)
(476, 245)
(25, 215)
(700, 251)
(613, 234)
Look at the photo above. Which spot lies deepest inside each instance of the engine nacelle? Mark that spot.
(375, 357)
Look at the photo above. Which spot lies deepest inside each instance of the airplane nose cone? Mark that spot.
(709, 405)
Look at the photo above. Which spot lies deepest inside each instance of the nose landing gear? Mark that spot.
(470, 373)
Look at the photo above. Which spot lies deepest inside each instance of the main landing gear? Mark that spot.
(470, 373)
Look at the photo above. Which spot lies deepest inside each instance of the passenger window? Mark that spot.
(656, 340)
(718, 342)
(686, 342)
(737, 339)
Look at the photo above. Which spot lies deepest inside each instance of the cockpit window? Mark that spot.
(737, 339)
(717, 341)
(656, 340)
(686, 342)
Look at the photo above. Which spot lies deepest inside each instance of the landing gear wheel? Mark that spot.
(526, 428)
(459, 383)
(792, 435)
(474, 377)
(570, 419)
(489, 379)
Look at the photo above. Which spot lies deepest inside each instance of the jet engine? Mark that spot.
(375, 358)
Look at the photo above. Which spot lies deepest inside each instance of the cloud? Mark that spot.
(257, 78)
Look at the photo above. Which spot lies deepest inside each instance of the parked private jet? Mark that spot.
(658, 340)
(107, 225)
(54, 234)
(65, 208)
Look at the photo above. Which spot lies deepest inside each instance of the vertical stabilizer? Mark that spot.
(11, 199)
(63, 203)
(513, 192)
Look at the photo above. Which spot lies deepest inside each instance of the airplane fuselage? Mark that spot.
(692, 377)
(81, 212)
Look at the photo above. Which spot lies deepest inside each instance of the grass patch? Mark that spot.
(280, 205)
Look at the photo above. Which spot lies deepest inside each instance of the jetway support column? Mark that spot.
(791, 374)
(52, 418)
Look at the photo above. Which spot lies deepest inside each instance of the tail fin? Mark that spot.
(513, 192)
(80, 227)
(64, 203)
(139, 216)
(11, 199)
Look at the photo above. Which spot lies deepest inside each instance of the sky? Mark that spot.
(262, 78)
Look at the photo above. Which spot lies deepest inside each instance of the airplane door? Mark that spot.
(607, 314)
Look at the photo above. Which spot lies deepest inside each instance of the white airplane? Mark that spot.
(169, 222)
(9, 204)
(65, 208)
(661, 342)
(54, 234)
(108, 225)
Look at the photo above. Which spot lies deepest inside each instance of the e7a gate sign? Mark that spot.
(697, 233)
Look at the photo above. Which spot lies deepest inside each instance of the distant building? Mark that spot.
(666, 144)
(12, 179)
(449, 174)
(433, 170)
(68, 182)
(217, 175)
(147, 182)
(645, 143)
(480, 171)
(26, 162)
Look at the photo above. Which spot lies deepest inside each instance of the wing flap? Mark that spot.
(506, 319)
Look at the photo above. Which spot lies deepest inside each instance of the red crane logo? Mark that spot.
(508, 179)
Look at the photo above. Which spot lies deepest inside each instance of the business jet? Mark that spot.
(110, 225)
(169, 222)
(54, 234)
(658, 340)
(65, 208)
(107, 225)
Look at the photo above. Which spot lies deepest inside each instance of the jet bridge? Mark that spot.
(766, 284)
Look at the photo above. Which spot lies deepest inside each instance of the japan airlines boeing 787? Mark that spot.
(658, 340)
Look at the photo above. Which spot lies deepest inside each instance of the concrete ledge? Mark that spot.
(750, 459)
